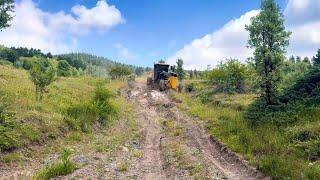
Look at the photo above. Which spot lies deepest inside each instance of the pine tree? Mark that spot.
(306, 60)
(298, 59)
(292, 59)
(269, 39)
(316, 59)
(180, 70)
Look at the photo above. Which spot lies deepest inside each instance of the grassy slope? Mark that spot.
(36, 122)
(276, 151)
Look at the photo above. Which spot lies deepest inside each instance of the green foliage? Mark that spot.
(120, 72)
(13, 54)
(291, 72)
(61, 168)
(292, 59)
(139, 71)
(180, 70)
(316, 59)
(306, 60)
(75, 60)
(284, 152)
(7, 7)
(42, 75)
(269, 39)
(9, 137)
(99, 110)
(301, 97)
(64, 69)
(8, 54)
(230, 76)
(298, 59)
(190, 87)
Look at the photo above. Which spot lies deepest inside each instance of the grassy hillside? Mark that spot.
(290, 151)
(25, 121)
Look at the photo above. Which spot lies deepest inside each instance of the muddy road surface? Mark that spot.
(176, 146)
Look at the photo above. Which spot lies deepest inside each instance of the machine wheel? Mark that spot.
(149, 81)
(162, 85)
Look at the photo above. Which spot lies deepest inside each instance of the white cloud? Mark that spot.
(57, 32)
(228, 42)
(302, 19)
(124, 52)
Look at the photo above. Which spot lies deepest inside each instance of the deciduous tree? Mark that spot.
(6, 10)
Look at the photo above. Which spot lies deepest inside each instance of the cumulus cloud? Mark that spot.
(57, 32)
(228, 42)
(302, 19)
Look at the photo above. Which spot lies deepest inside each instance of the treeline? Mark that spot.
(72, 64)
(232, 76)
(13, 54)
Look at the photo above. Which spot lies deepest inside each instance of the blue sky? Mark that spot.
(143, 31)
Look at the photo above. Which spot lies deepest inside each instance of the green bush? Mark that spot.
(190, 87)
(42, 75)
(301, 98)
(230, 77)
(63, 167)
(64, 69)
(83, 116)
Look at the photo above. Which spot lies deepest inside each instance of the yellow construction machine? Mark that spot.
(163, 79)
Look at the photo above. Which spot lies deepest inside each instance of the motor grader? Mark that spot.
(163, 79)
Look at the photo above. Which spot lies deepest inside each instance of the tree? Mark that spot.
(292, 59)
(162, 61)
(173, 68)
(180, 70)
(269, 39)
(191, 74)
(230, 76)
(306, 60)
(120, 71)
(139, 71)
(49, 55)
(298, 59)
(42, 75)
(6, 8)
(316, 59)
(64, 68)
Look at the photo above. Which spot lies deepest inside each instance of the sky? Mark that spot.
(140, 32)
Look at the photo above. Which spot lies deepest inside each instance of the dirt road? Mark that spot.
(178, 147)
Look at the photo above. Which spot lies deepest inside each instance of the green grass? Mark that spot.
(63, 167)
(285, 152)
(25, 121)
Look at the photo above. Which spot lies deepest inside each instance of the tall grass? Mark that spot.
(29, 121)
(290, 152)
(63, 167)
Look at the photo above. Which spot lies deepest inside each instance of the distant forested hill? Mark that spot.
(81, 63)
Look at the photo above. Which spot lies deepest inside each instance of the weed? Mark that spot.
(123, 166)
(137, 153)
(12, 157)
(64, 167)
